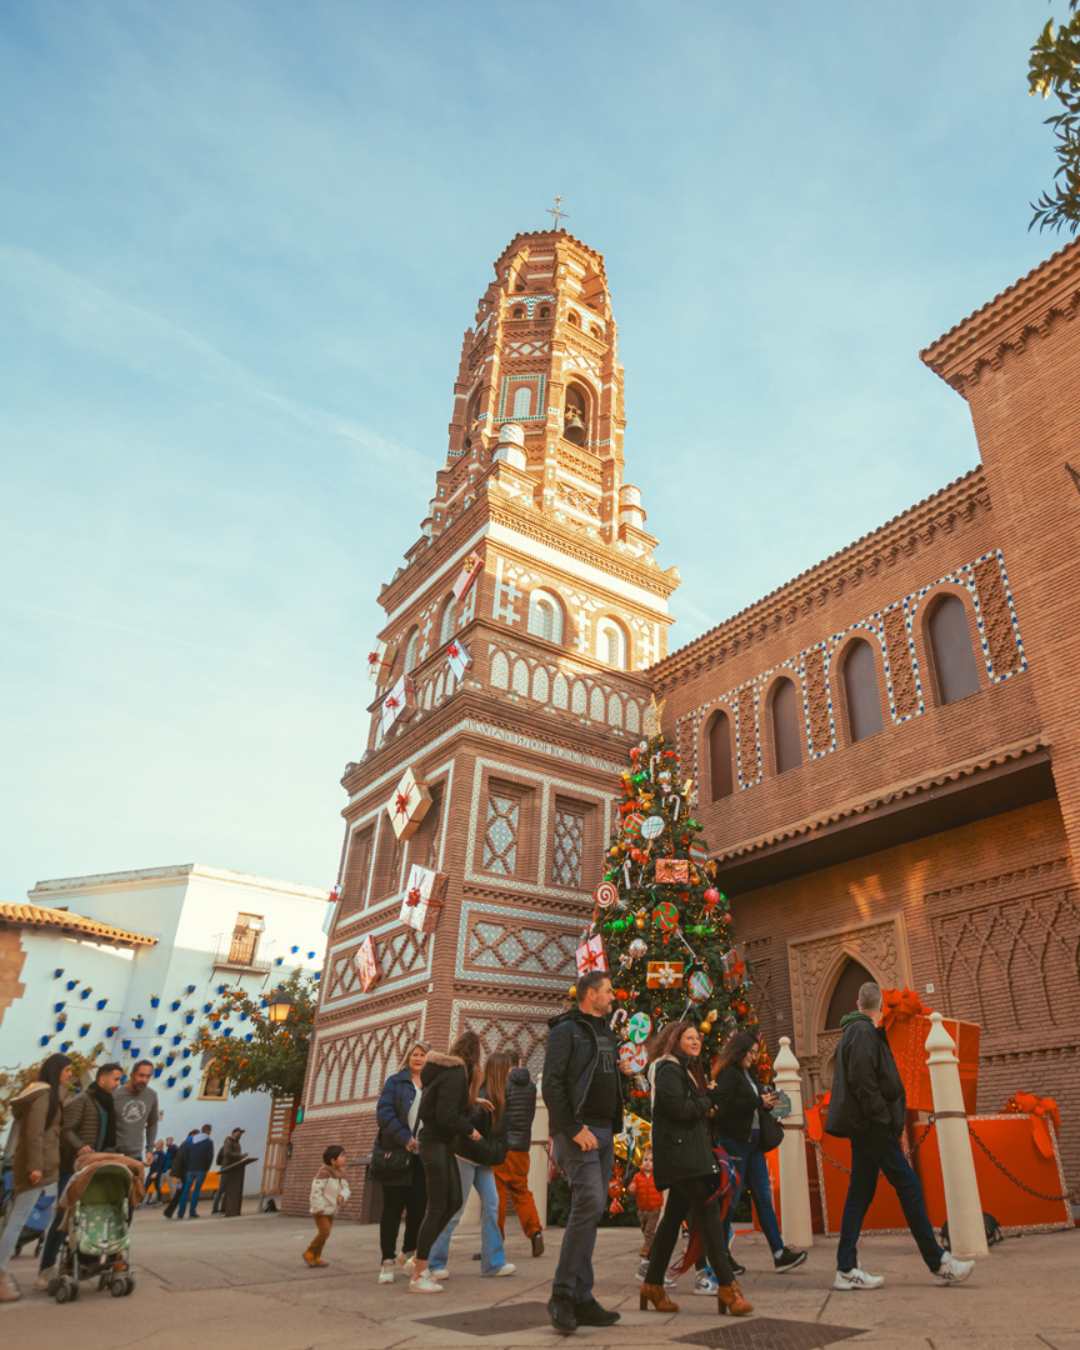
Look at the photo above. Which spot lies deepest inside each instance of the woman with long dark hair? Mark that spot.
(741, 1104)
(685, 1165)
(476, 1159)
(38, 1111)
(444, 1116)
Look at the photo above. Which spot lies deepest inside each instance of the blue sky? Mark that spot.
(239, 243)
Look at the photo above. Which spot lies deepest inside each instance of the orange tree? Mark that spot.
(1054, 70)
(255, 1053)
(12, 1081)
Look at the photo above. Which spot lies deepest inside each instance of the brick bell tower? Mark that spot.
(509, 681)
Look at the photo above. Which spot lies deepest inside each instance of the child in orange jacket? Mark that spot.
(648, 1200)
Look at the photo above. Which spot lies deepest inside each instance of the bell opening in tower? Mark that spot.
(576, 415)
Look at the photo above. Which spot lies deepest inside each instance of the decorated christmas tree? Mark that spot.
(661, 927)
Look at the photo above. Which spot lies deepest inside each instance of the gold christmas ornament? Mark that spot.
(705, 1028)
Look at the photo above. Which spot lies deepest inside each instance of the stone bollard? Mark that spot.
(967, 1236)
(538, 1158)
(794, 1185)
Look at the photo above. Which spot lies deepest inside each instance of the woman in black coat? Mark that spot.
(444, 1116)
(684, 1165)
(742, 1115)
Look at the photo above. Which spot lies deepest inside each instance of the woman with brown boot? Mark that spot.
(685, 1166)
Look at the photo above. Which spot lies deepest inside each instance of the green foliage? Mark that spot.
(1054, 69)
(275, 1058)
(12, 1081)
(656, 920)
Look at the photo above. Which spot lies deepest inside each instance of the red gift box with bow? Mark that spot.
(906, 1020)
(425, 896)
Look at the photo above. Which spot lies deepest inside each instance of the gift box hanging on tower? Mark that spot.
(907, 1024)
(410, 803)
(425, 896)
(471, 568)
(399, 704)
(381, 661)
(367, 962)
(458, 658)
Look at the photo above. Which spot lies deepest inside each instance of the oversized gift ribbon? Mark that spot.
(1041, 1110)
(453, 649)
(401, 804)
(414, 897)
(899, 1004)
(591, 960)
(391, 702)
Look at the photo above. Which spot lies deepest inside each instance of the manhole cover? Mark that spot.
(500, 1321)
(770, 1333)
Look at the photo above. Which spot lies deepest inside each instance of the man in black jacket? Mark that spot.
(868, 1106)
(581, 1089)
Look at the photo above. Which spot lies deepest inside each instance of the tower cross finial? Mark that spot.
(557, 213)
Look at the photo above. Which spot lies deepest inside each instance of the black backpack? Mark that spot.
(994, 1234)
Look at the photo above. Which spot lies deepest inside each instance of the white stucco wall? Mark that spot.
(191, 911)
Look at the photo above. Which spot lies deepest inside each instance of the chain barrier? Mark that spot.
(1029, 1190)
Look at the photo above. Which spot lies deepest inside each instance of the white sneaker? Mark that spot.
(407, 1264)
(952, 1271)
(386, 1273)
(508, 1268)
(705, 1285)
(442, 1274)
(424, 1284)
(857, 1279)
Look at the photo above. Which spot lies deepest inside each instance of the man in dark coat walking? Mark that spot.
(868, 1106)
(581, 1089)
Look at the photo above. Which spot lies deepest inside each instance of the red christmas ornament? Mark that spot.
(712, 899)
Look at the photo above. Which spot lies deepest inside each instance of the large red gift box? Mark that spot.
(885, 1214)
(907, 1040)
(1022, 1144)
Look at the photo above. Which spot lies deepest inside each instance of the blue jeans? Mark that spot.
(588, 1175)
(492, 1254)
(21, 1209)
(51, 1248)
(753, 1172)
(871, 1154)
(190, 1192)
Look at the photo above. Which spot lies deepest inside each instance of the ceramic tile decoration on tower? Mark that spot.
(887, 748)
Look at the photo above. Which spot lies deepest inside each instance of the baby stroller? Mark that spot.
(97, 1239)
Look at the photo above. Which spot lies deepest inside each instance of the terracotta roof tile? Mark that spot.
(38, 916)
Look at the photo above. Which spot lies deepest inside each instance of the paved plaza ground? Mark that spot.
(240, 1283)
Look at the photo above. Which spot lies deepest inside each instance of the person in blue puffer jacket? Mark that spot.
(397, 1113)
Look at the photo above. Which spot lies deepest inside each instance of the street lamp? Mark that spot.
(280, 1006)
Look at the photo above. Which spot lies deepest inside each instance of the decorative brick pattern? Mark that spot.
(999, 629)
(818, 702)
(902, 663)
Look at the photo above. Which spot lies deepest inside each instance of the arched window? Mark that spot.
(721, 779)
(950, 644)
(412, 649)
(545, 616)
(449, 621)
(786, 720)
(861, 690)
(545, 311)
(576, 415)
(519, 312)
(522, 401)
(611, 644)
(596, 332)
(845, 994)
(572, 318)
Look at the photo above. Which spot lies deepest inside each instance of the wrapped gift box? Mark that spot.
(673, 871)
(590, 955)
(367, 962)
(664, 975)
(458, 658)
(381, 661)
(885, 1214)
(1012, 1139)
(470, 570)
(425, 896)
(409, 805)
(907, 1040)
(399, 704)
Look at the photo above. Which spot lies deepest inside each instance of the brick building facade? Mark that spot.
(887, 749)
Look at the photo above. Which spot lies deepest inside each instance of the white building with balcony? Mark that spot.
(134, 960)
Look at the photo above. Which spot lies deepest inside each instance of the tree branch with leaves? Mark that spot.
(1054, 70)
(255, 1054)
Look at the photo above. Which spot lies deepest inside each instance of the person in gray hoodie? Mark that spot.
(136, 1105)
